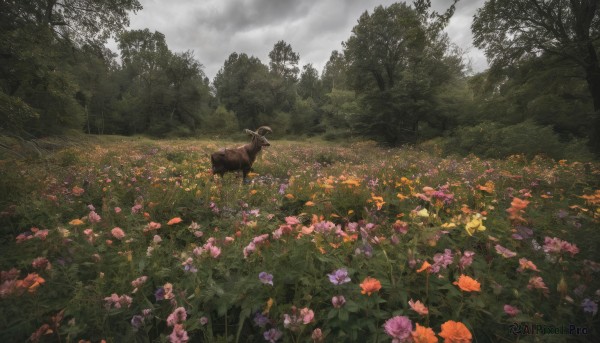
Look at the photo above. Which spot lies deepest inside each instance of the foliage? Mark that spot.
(284, 61)
(494, 140)
(566, 29)
(397, 60)
(127, 239)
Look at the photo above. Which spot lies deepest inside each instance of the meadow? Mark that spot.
(117, 239)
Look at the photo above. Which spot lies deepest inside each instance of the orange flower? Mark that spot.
(423, 334)
(425, 266)
(370, 285)
(467, 284)
(519, 204)
(455, 332)
(76, 222)
(174, 221)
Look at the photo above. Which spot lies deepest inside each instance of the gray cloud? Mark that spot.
(214, 29)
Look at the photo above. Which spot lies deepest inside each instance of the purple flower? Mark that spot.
(339, 276)
(261, 320)
(338, 301)
(137, 322)
(159, 294)
(266, 278)
(272, 335)
(282, 188)
(399, 328)
(441, 260)
(589, 306)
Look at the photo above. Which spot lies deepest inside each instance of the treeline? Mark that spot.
(397, 80)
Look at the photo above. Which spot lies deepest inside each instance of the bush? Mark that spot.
(494, 140)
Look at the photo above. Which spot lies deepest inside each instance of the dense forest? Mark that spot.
(398, 80)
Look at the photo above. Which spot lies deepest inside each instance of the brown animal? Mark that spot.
(240, 158)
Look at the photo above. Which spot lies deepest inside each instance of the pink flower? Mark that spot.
(41, 263)
(418, 307)
(137, 283)
(526, 264)
(557, 245)
(511, 310)
(317, 335)
(294, 321)
(41, 234)
(117, 301)
(292, 220)
(250, 248)
(466, 259)
(214, 251)
(399, 328)
(338, 301)
(117, 210)
(152, 226)
(505, 252)
(538, 283)
(118, 233)
(307, 315)
(136, 209)
(179, 335)
(177, 317)
(93, 217)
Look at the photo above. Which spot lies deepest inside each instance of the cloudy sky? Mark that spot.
(214, 29)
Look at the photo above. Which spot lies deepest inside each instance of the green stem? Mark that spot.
(391, 267)
(240, 327)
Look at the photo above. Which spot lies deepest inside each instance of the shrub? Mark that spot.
(494, 140)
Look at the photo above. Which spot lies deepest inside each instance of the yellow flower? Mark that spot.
(268, 306)
(423, 213)
(352, 182)
(476, 224)
(378, 201)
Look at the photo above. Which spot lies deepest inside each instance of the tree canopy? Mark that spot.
(569, 29)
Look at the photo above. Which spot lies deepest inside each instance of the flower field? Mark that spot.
(133, 240)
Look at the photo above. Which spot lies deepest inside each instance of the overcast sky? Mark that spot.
(213, 29)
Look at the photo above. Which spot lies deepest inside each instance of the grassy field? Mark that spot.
(133, 240)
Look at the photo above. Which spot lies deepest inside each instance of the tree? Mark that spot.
(245, 87)
(284, 61)
(334, 73)
(397, 59)
(512, 30)
(163, 92)
(39, 40)
(83, 22)
(309, 85)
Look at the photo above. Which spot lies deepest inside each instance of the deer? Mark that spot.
(240, 158)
